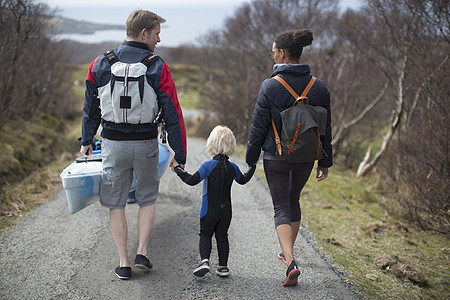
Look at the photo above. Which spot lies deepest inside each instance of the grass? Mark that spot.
(350, 226)
(37, 188)
(33, 154)
(79, 77)
(37, 150)
(188, 84)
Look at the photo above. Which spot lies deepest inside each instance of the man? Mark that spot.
(129, 146)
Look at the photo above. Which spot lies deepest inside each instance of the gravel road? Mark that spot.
(52, 254)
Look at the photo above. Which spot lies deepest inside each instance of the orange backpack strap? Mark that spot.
(291, 146)
(277, 137)
(298, 99)
(288, 87)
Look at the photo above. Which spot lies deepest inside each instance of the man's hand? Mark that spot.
(322, 173)
(174, 163)
(86, 150)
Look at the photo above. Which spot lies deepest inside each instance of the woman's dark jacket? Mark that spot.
(273, 98)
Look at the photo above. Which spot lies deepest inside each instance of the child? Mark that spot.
(215, 215)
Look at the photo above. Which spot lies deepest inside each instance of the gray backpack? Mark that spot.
(128, 98)
(302, 126)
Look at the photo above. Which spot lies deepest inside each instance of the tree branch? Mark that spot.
(422, 86)
(361, 115)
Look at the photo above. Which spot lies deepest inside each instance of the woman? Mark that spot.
(286, 180)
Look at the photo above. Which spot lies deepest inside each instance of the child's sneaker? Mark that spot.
(202, 269)
(281, 256)
(292, 274)
(223, 271)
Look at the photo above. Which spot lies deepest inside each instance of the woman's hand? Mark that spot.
(322, 173)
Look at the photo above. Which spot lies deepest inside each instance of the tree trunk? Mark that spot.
(367, 165)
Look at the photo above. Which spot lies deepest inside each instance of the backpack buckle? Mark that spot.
(301, 99)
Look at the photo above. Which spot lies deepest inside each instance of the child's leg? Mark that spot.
(207, 225)
(223, 246)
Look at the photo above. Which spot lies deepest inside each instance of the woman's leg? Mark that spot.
(285, 233)
(285, 182)
(295, 228)
(277, 174)
(298, 178)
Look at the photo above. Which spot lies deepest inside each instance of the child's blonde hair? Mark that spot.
(221, 140)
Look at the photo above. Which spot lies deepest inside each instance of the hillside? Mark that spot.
(84, 53)
(60, 25)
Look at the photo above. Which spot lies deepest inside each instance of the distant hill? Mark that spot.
(60, 25)
(82, 53)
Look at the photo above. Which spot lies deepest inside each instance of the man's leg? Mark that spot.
(145, 167)
(119, 230)
(146, 217)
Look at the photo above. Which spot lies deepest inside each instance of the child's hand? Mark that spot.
(174, 164)
(179, 169)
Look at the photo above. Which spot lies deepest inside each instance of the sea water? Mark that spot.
(113, 35)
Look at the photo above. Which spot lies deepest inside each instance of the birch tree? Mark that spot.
(398, 39)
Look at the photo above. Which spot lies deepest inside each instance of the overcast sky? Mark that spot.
(153, 3)
(186, 19)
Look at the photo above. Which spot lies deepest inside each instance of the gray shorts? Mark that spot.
(119, 159)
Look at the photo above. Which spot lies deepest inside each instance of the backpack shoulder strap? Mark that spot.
(149, 60)
(111, 57)
(308, 87)
(298, 99)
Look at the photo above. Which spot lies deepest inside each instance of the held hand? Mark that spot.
(86, 150)
(322, 173)
(174, 163)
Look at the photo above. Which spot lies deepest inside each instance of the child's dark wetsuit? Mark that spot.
(215, 214)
